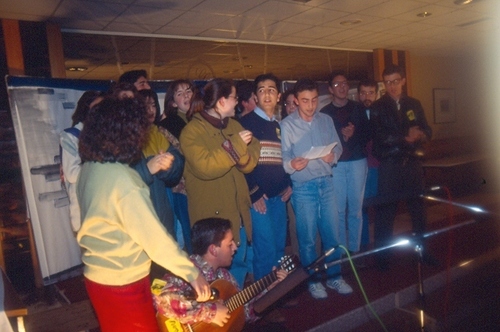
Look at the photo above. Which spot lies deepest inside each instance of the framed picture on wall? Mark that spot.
(444, 105)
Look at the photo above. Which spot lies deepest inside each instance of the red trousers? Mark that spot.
(123, 308)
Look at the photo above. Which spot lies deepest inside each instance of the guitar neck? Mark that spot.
(250, 292)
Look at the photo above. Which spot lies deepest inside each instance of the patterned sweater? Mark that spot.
(269, 177)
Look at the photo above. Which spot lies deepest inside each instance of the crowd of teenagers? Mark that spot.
(213, 186)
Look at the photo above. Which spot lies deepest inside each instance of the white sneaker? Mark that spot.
(339, 285)
(318, 291)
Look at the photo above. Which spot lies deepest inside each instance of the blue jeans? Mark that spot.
(181, 212)
(349, 178)
(370, 191)
(315, 210)
(268, 236)
(240, 267)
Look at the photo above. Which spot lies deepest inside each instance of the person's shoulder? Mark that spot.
(323, 117)
(354, 104)
(381, 102)
(411, 99)
(248, 119)
(327, 108)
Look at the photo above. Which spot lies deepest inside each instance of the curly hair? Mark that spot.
(115, 131)
(132, 76)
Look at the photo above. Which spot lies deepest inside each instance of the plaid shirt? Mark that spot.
(172, 304)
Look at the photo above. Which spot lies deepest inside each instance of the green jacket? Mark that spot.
(215, 181)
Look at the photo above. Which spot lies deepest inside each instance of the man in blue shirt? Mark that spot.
(313, 197)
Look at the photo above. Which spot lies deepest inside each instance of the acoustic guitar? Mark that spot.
(232, 299)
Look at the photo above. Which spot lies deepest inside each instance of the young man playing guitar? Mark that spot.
(213, 250)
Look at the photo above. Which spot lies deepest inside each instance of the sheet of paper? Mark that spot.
(319, 151)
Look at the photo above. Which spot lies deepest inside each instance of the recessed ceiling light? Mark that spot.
(424, 14)
(350, 22)
(462, 2)
(77, 68)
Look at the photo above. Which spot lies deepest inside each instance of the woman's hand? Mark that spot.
(160, 162)
(246, 136)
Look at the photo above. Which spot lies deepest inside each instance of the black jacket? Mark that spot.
(392, 125)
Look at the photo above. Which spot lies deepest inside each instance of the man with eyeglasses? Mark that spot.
(401, 128)
(349, 174)
(367, 94)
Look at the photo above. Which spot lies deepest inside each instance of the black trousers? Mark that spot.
(400, 179)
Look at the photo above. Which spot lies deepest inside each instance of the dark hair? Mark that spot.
(368, 82)
(334, 74)
(393, 69)
(115, 131)
(83, 106)
(244, 90)
(146, 93)
(117, 88)
(284, 97)
(265, 77)
(213, 91)
(132, 76)
(208, 231)
(168, 106)
(304, 84)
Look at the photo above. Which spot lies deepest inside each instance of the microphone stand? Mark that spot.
(414, 240)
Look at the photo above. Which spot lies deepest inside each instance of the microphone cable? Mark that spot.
(368, 303)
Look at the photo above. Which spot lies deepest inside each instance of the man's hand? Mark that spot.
(221, 315)
(414, 134)
(202, 288)
(299, 163)
(160, 162)
(285, 196)
(280, 274)
(246, 136)
(347, 131)
(260, 205)
(329, 158)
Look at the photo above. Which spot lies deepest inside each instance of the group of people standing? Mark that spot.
(196, 162)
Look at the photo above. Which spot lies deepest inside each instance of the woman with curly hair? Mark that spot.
(120, 233)
(218, 152)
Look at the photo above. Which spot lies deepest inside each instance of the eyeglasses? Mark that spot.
(337, 84)
(393, 82)
(234, 97)
(367, 93)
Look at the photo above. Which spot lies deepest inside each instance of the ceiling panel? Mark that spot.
(250, 33)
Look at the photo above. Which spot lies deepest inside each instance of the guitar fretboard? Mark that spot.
(250, 292)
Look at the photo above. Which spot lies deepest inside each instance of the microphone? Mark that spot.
(191, 295)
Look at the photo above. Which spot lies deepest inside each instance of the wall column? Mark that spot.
(56, 53)
(13, 47)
